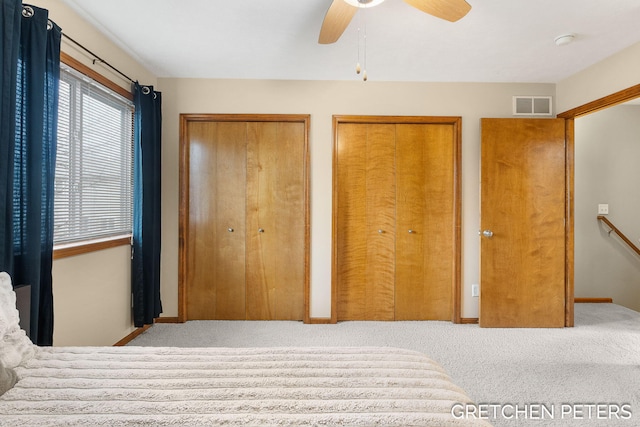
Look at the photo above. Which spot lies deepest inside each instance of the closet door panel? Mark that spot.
(365, 221)
(216, 273)
(440, 222)
(411, 199)
(425, 228)
(351, 229)
(290, 221)
(380, 220)
(275, 221)
(261, 222)
(230, 190)
(201, 295)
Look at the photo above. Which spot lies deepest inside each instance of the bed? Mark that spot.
(168, 386)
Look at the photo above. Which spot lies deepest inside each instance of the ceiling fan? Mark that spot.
(341, 12)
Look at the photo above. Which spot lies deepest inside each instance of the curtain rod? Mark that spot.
(97, 58)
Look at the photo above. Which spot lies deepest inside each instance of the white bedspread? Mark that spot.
(144, 386)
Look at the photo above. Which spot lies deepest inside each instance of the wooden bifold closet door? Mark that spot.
(244, 218)
(396, 218)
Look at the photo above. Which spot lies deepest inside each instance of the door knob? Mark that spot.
(230, 230)
(380, 231)
(487, 233)
(260, 230)
(411, 231)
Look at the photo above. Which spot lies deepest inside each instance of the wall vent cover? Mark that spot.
(532, 106)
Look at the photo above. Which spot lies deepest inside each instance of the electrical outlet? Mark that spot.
(475, 290)
(603, 209)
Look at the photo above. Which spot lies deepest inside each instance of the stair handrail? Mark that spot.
(619, 233)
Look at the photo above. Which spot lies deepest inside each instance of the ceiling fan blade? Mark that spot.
(450, 10)
(336, 21)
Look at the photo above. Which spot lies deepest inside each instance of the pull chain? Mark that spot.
(362, 28)
(358, 45)
(364, 71)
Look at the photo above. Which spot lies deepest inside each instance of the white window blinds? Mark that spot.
(94, 164)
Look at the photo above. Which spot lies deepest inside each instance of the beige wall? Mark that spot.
(78, 28)
(618, 72)
(606, 171)
(322, 100)
(97, 285)
(606, 150)
(92, 292)
(92, 298)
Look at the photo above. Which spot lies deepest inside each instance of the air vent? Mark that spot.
(532, 106)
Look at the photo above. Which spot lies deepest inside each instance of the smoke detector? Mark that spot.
(564, 39)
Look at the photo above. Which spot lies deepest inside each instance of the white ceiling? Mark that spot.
(498, 41)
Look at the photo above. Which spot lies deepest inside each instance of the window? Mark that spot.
(94, 164)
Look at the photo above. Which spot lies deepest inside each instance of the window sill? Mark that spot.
(73, 249)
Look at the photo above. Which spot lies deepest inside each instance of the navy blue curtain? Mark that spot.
(29, 257)
(145, 264)
(10, 15)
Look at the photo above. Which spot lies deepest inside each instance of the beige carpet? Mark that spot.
(596, 362)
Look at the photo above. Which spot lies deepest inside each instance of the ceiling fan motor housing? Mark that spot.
(363, 3)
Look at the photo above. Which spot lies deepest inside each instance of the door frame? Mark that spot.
(456, 122)
(183, 189)
(615, 98)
